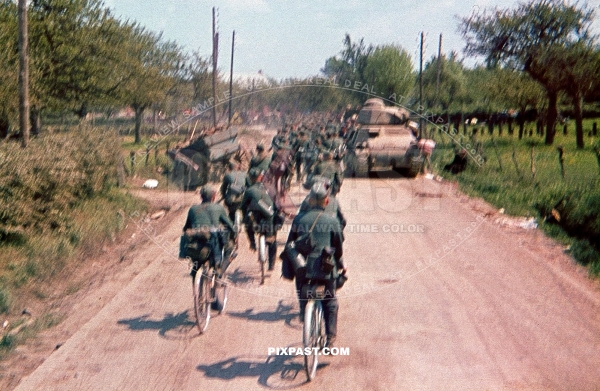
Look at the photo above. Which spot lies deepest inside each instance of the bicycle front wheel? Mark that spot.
(262, 257)
(238, 221)
(202, 299)
(311, 338)
(221, 290)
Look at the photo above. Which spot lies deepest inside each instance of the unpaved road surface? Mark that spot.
(440, 297)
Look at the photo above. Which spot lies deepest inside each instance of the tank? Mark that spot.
(204, 160)
(384, 139)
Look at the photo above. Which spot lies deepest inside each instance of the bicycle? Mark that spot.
(313, 333)
(210, 291)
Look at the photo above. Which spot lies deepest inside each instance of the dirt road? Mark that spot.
(440, 297)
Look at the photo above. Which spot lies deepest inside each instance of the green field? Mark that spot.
(525, 178)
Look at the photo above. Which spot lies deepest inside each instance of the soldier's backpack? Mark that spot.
(235, 192)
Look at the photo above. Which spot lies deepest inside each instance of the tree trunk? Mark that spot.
(36, 121)
(521, 121)
(139, 112)
(4, 124)
(154, 120)
(456, 124)
(23, 74)
(551, 117)
(578, 106)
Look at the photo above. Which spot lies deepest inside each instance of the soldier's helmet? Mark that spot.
(208, 192)
(319, 191)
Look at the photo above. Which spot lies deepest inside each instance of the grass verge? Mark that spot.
(560, 188)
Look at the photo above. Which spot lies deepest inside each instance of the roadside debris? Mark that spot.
(158, 215)
(150, 184)
(518, 222)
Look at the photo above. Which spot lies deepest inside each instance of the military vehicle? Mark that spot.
(204, 160)
(384, 139)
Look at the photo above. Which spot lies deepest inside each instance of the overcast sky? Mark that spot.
(293, 38)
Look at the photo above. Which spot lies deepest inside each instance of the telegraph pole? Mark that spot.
(439, 72)
(421, 87)
(23, 74)
(231, 76)
(214, 63)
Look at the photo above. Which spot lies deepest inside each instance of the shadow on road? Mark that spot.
(275, 372)
(285, 312)
(238, 277)
(172, 326)
(387, 174)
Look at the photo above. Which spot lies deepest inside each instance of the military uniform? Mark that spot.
(233, 179)
(326, 233)
(259, 222)
(302, 147)
(203, 219)
(330, 169)
(262, 161)
(332, 208)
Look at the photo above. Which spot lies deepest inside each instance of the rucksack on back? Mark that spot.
(235, 192)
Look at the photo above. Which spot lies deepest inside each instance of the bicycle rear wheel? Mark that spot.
(238, 221)
(202, 299)
(262, 257)
(312, 336)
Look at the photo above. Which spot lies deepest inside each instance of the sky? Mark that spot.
(293, 38)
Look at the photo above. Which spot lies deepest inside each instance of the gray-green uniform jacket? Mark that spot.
(209, 215)
(326, 233)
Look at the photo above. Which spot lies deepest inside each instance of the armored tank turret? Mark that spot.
(384, 139)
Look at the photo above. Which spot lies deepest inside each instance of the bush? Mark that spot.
(42, 183)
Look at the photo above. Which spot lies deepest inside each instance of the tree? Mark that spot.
(9, 63)
(578, 64)
(515, 90)
(522, 37)
(150, 71)
(75, 53)
(389, 71)
(23, 74)
(351, 64)
(452, 93)
(201, 77)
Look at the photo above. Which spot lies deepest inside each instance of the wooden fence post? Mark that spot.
(597, 150)
(561, 160)
(533, 171)
(514, 159)
(132, 159)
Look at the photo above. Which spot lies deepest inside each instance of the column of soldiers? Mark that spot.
(311, 153)
(318, 151)
(314, 154)
(318, 155)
